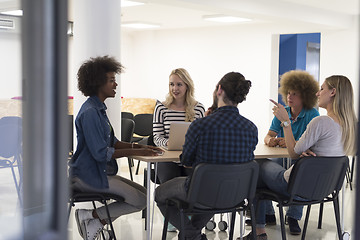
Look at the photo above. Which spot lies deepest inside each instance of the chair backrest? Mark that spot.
(127, 129)
(315, 178)
(143, 124)
(222, 186)
(10, 136)
(128, 115)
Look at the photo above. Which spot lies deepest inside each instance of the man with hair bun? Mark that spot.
(224, 137)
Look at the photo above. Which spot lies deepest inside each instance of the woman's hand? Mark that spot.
(152, 147)
(157, 150)
(145, 152)
(273, 142)
(308, 153)
(280, 112)
(281, 142)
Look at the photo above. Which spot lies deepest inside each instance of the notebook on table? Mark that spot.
(177, 135)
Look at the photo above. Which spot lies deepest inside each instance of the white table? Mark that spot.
(261, 151)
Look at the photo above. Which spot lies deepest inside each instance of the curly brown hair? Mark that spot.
(92, 74)
(304, 83)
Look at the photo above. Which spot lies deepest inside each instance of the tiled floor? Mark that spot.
(131, 227)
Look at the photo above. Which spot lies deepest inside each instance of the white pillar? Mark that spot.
(96, 33)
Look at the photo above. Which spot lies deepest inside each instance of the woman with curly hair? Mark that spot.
(97, 145)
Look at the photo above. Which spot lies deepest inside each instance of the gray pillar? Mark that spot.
(45, 129)
(357, 167)
(96, 33)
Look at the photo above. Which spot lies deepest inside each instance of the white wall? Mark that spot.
(339, 54)
(10, 64)
(209, 53)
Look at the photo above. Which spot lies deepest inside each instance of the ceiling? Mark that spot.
(174, 14)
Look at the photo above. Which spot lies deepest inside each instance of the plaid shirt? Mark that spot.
(223, 137)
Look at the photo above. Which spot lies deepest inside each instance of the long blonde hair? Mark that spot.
(190, 101)
(343, 107)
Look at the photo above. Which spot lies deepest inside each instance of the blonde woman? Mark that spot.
(331, 135)
(179, 105)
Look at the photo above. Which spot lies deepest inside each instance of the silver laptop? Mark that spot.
(177, 135)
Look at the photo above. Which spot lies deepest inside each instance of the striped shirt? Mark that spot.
(163, 116)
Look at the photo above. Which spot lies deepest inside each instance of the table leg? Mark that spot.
(148, 192)
(342, 213)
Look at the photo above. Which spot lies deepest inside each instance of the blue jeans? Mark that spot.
(272, 176)
(293, 211)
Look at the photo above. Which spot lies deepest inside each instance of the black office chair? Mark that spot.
(219, 188)
(11, 149)
(127, 130)
(143, 130)
(77, 196)
(316, 179)
(128, 115)
(143, 127)
(350, 172)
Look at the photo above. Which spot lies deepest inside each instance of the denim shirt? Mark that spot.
(93, 144)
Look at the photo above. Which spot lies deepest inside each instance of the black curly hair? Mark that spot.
(236, 87)
(92, 73)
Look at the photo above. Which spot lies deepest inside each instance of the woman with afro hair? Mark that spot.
(97, 145)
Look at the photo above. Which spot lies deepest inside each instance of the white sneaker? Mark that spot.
(80, 216)
(91, 228)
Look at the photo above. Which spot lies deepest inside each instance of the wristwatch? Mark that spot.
(285, 124)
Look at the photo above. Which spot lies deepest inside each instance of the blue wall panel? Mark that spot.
(292, 52)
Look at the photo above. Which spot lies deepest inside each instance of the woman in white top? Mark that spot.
(330, 135)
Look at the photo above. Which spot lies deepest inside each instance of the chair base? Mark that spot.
(78, 197)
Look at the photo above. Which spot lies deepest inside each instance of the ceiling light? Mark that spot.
(140, 25)
(225, 19)
(14, 12)
(70, 30)
(127, 3)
